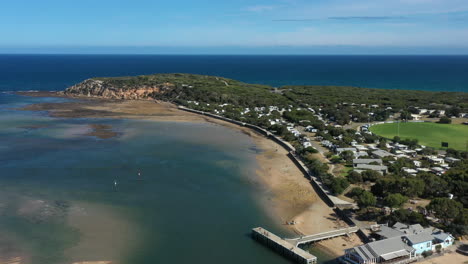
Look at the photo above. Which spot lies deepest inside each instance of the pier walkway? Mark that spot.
(322, 236)
(283, 247)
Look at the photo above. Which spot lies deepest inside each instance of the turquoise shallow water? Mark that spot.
(194, 202)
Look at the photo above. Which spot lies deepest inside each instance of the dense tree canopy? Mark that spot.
(446, 209)
(395, 200)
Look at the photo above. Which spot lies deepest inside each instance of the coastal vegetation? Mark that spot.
(339, 100)
(428, 134)
(332, 95)
(208, 89)
(396, 188)
(326, 110)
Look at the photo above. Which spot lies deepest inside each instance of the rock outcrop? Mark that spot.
(106, 89)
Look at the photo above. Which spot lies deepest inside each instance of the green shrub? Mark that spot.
(445, 120)
(427, 253)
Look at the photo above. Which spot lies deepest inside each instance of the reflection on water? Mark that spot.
(66, 196)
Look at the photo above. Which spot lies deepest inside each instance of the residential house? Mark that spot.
(398, 244)
(381, 154)
(423, 170)
(296, 133)
(422, 111)
(410, 152)
(360, 154)
(400, 146)
(410, 171)
(437, 170)
(372, 146)
(420, 242)
(366, 161)
(451, 160)
(379, 168)
(435, 160)
(443, 239)
(311, 129)
(339, 150)
(382, 251)
(361, 147)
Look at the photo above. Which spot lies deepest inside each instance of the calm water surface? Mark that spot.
(66, 196)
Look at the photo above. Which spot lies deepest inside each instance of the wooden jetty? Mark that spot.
(288, 247)
(283, 247)
(322, 236)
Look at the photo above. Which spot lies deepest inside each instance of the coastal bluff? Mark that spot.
(166, 86)
(106, 89)
(178, 88)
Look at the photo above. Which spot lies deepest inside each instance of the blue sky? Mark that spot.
(242, 26)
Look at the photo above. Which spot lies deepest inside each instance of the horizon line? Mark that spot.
(241, 54)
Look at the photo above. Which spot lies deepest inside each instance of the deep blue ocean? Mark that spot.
(56, 72)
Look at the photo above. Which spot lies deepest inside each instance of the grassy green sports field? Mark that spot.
(428, 134)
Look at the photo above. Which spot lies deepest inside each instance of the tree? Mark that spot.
(438, 248)
(405, 115)
(370, 175)
(445, 120)
(355, 192)
(406, 216)
(347, 155)
(453, 111)
(396, 166)
(457, 180)
(427, 253)
(338, 185)
(366, 199)
(433, 185)
(354, 177)
(311, 150)
(335, 159)
(395, 200)
(445, 209)
(382, 144)
(408, 186)
(462, 219)
(412, 143)
(370, 138)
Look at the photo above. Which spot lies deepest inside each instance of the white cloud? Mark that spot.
(309, 36)
(408, 35)
(375, 8)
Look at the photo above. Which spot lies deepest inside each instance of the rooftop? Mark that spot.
(420, 238)
(371, 167)
(389, 232)
(387, 249)
(366, 161)
(441, 236)
(382, 153)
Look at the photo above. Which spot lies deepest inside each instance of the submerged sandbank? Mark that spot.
(291, 196)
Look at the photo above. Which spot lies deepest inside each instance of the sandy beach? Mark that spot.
(292, 196)
(447, 258)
